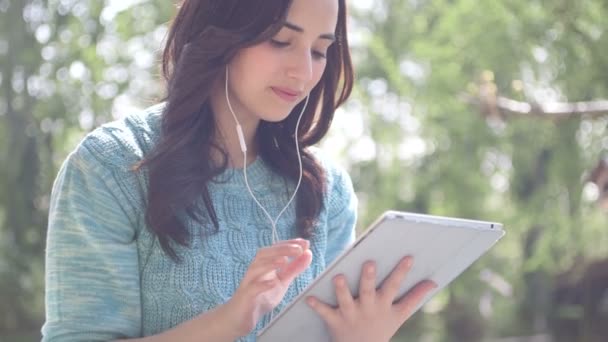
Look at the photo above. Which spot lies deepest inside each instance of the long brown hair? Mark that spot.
(204, 36)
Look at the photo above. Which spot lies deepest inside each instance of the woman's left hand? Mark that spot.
(373, 316)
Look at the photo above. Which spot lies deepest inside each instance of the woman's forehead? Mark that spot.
(317, 16)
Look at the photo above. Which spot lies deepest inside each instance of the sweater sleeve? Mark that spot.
(342, 214)
(92, 278)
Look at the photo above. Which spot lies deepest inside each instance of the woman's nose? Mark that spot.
(300, 65)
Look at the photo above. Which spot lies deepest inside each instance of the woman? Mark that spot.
(175, 224)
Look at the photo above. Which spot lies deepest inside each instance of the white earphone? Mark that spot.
(239, 132)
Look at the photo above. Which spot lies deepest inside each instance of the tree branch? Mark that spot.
(553, 109)
(506, 107)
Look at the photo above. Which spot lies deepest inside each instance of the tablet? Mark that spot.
(442, 248)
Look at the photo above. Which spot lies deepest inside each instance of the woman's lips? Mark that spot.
(286, 94)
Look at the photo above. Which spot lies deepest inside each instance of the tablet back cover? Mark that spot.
(442, 249)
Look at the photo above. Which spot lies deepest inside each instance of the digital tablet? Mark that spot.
(442, 248)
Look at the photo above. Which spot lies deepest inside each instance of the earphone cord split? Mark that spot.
(243, 145)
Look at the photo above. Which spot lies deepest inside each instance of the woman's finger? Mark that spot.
(367, 284)
(281, 249)
(346, 303)
(390, 287)
(406, 305)
(327, 313)
(271, 258)
(305, 244)
(260, 286)
(291, 270)
(261, 267)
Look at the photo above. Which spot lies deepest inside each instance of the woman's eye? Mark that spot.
(277, 43)
(318, 55)
(280, 44)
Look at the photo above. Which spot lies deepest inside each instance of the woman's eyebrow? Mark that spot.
(328, 36)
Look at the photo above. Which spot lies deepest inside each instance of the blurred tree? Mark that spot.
(65, 65)
(431, 150)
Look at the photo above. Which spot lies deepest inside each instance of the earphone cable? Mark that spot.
(243, 145)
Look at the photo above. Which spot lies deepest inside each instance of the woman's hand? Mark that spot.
(372, 317)
(266, 281)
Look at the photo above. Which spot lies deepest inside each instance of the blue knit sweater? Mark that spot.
(108, 278)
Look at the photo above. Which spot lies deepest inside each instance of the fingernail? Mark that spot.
(370, 269)
(408, 261)
(311, 301)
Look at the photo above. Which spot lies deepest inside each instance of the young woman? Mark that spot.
(176, 224)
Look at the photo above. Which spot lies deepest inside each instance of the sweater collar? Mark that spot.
(257, 173)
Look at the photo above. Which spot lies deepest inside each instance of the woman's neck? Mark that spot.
(227, 138)
(226, 133)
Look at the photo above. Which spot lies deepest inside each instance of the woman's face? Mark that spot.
(267, 80)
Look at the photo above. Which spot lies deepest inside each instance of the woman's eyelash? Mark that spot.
(318, 54)
(280, 44)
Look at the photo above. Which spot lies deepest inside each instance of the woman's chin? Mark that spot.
(275, 118)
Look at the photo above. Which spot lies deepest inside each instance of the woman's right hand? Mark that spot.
(266, 282)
